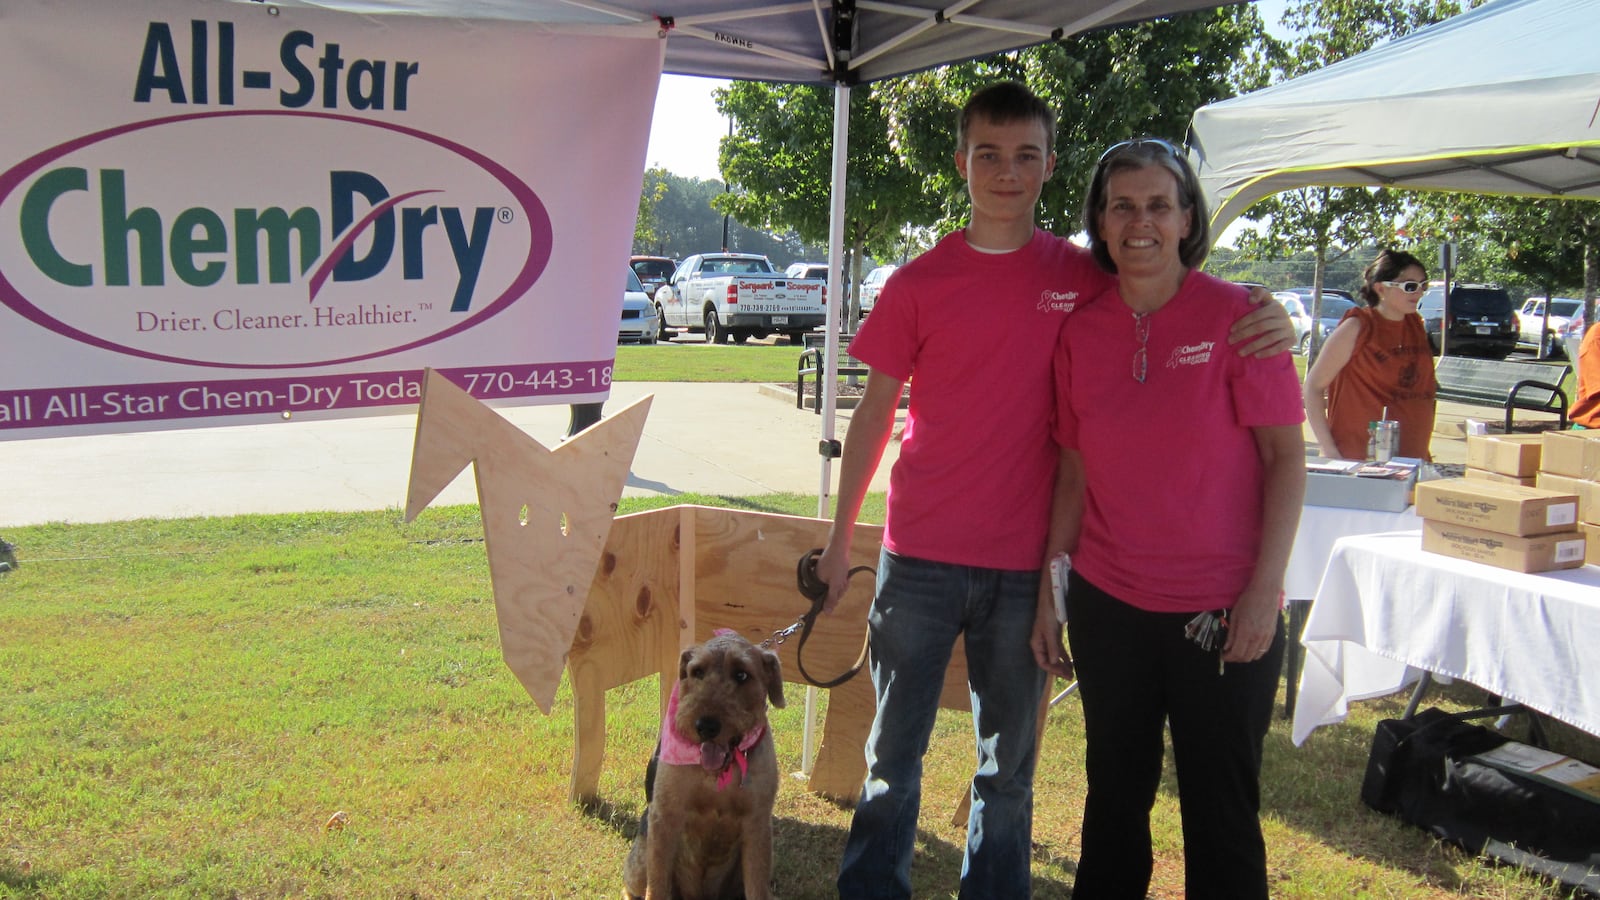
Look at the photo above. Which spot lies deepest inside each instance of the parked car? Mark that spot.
(653, 271)
(807, 270)
(1531, 322)
(739, 296)
(1482, 321)
(640, 324)
(1571, 335)
(1298, 316)
(1334, 305)
(872, 285)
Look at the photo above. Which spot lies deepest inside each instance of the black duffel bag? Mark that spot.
(1421, 771)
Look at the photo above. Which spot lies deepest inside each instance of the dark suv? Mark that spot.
(1482, 321)
(653, 271)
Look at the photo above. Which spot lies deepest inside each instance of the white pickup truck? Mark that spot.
(739, 296)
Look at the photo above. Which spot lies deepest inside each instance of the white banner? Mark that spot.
(219, 213)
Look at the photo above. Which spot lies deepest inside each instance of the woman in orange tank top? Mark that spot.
(1377, 363)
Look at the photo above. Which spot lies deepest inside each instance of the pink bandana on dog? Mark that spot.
(711, 756)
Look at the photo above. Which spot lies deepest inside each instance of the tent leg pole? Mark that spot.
(830, 354)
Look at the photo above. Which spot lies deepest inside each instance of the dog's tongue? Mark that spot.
(713, 756)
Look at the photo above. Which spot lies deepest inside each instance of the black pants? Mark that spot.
(1137, 672)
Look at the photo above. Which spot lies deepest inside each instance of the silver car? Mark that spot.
(1296, 308)
(1530, 322)
(640, 324)
(872, 285)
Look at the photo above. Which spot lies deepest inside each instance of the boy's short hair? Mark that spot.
(1002, 102)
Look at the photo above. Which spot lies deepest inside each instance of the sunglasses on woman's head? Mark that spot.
(1136, 143)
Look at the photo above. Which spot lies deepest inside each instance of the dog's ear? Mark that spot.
(772, 670)
(683, 663)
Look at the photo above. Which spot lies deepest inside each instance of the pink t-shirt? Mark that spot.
(974, 333)
(1172, 521)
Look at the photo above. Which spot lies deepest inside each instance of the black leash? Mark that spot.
(816, 590)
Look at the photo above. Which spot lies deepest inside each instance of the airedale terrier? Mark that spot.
(706, 833)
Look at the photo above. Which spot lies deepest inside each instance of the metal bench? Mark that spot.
(810, 365)
(1506, 384)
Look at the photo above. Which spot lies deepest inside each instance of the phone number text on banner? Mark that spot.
(219, 398)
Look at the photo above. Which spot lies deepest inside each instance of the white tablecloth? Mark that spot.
(1386, 610)
(1320, 526)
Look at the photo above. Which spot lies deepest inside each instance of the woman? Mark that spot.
(1181, 476)
(1377, 364)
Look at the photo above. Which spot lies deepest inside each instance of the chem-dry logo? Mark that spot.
(265, 239)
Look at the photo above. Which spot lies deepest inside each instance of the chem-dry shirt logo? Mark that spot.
(358, 239)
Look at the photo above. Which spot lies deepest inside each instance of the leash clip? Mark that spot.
(813, 588)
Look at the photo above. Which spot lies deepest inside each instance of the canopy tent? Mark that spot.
(1500, 100)
(845, 42)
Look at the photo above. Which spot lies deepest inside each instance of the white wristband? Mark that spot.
(1060, 565)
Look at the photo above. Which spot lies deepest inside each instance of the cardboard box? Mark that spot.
(1591, 537)
(1486, 475)
(1538, 553)
(1503, 508)
(1506, 454)
(1575, 454)
(1587, 492)
(1335, 483)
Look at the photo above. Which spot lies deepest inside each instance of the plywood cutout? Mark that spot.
(546, 515)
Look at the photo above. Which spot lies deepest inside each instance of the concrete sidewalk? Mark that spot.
(717, 439)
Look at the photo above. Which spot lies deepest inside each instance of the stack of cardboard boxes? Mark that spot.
(1570, 463)
(1528, 502)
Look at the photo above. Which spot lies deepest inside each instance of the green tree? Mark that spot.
(1141, 79)
(1531, 245)
(682, 222)
(780, 158)
(645, 234)
(1146, 78)
(1329, 223)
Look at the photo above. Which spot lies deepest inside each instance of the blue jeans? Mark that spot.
(920, 609)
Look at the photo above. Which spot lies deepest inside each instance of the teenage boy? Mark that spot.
(975, 321)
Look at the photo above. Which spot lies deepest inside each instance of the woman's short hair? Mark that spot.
(1390, 262)
(1140, 153)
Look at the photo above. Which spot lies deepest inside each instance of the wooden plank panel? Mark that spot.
(629, 626)
(546, 515)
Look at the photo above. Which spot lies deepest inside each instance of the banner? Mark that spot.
(218, 213)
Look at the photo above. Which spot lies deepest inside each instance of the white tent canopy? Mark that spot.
(1504, 99)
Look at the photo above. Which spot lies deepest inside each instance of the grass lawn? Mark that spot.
(753, 363)
(315, 706)
(758, 363)
(189, 704)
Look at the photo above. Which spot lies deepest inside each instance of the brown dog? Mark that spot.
(706, 833)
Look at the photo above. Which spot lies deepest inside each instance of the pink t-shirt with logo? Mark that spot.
(974, 333)
(1172, 521)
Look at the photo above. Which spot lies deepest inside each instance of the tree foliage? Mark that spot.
(645, 230)
(1135, 80)
(1536, 246)
(1140, 79)
(682, 222)
(780, 159)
